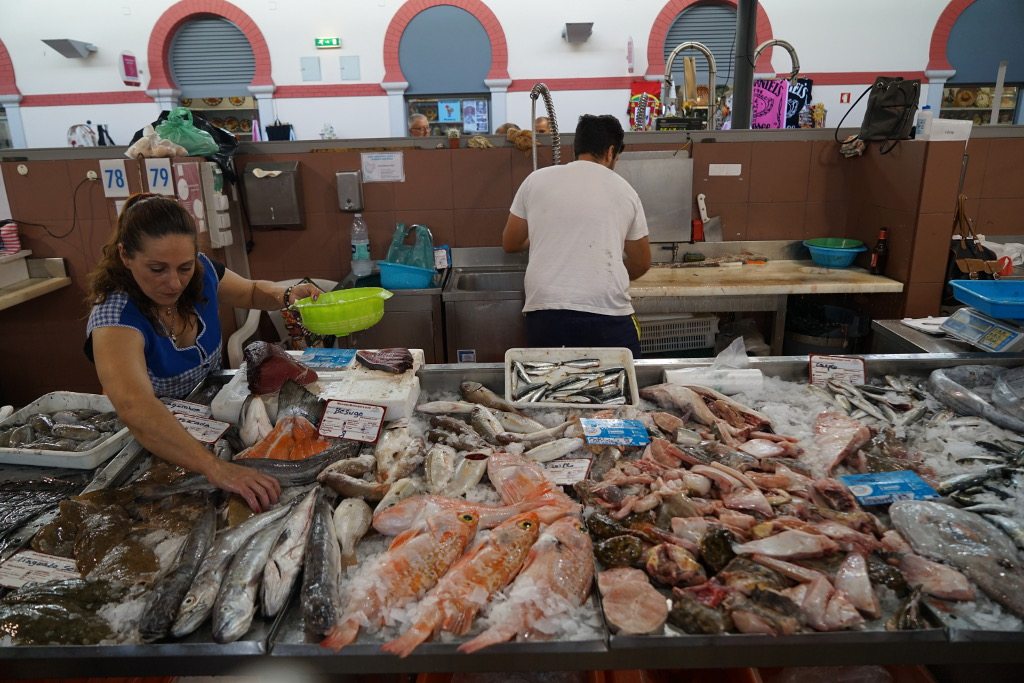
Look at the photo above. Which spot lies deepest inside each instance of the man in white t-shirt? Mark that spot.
(587, 235)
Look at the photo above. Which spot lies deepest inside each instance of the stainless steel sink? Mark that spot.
(510, 281)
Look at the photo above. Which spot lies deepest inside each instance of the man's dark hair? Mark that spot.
(595, 134)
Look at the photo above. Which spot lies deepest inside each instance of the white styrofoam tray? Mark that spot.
(50, 403)
(608, 357)
(359, 384)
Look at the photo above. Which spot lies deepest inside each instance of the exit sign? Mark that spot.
(328, 42)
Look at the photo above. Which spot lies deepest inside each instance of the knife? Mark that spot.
(712, 226)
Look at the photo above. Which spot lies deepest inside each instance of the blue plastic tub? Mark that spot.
(997, 298)
(830, 257)
(399, 276)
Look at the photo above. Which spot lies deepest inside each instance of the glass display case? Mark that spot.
(468, 114)
(974, 103)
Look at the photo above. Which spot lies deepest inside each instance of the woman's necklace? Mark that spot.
(171, 313)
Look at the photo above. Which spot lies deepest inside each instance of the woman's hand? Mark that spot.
(301, 291)
(259, 490)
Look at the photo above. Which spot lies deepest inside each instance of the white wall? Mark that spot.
(869, 36)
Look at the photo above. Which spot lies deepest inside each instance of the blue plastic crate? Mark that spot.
(998, 298)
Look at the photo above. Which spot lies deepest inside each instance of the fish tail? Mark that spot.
(458, 620)
(492, 636)
(404, 644)
(341, 635)
(349, 559)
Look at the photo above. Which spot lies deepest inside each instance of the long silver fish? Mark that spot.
(235, 605)
(553, 450)
(285, 561)
(321, 574)
(199, 600)
(486, 425)
(952, 386)
(352, 519)
(967, 542)
(519, 424)
(445, 408)
(167, 594)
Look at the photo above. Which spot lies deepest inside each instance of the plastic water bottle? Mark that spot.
(361, 263)
(924, 123)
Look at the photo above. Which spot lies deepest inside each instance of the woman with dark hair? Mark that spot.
(154, 332)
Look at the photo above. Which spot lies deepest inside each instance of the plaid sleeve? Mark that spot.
(110, 313)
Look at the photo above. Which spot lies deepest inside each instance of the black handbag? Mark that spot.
(891, 110)
(969, 259)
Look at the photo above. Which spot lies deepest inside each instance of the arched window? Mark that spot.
(446, 77)
(985, 34)
(711, 24)
(211, 57)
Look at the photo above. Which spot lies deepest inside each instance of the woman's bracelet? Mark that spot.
(287, 295)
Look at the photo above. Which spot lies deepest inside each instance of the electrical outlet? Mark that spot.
(91, 175)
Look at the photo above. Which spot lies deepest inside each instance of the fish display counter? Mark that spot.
(735, 583)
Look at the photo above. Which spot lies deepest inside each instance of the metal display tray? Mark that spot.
(283, 641)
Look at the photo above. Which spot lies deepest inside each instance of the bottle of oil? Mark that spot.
(880, 253)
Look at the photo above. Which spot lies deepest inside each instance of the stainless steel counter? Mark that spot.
(892, 336)
(283, 641)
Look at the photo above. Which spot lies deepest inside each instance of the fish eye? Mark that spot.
(467, 517)
(525, 524)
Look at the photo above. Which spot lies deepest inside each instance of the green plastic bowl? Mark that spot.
(834, 243)
(343, 311)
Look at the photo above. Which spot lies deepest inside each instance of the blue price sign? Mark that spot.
(114, 178)
(158, 176)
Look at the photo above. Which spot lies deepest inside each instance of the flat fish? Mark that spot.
(968, 542)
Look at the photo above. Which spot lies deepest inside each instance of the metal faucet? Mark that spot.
(787, 47)
(541, 90)
(667, 93)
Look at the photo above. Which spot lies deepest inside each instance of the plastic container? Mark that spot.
(834, 243)
(83, 460)
(923, 127)
(398, 276)
(343, 311)
(362, 265)
(831, 257)
(997, 298)
(676, 332)
(607, 356)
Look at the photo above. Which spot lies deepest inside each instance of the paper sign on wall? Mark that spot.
(843, 368)
(158, 176)
(114, 178)
(355, 421)
(383, 167)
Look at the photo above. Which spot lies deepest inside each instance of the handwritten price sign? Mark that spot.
(355, 421)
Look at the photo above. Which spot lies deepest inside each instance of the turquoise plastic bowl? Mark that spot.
(399, 276)
(828, 257)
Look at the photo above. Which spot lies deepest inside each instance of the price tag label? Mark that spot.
(615, 432)
(29, 566)
(567, 472)
(355, 421)
(114, 178)
(202, 429)
(823, 368)
(158, 176)
(179, 407)
(882, 488)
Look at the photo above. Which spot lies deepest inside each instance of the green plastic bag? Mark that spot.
(419, 254)
(178, 128)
